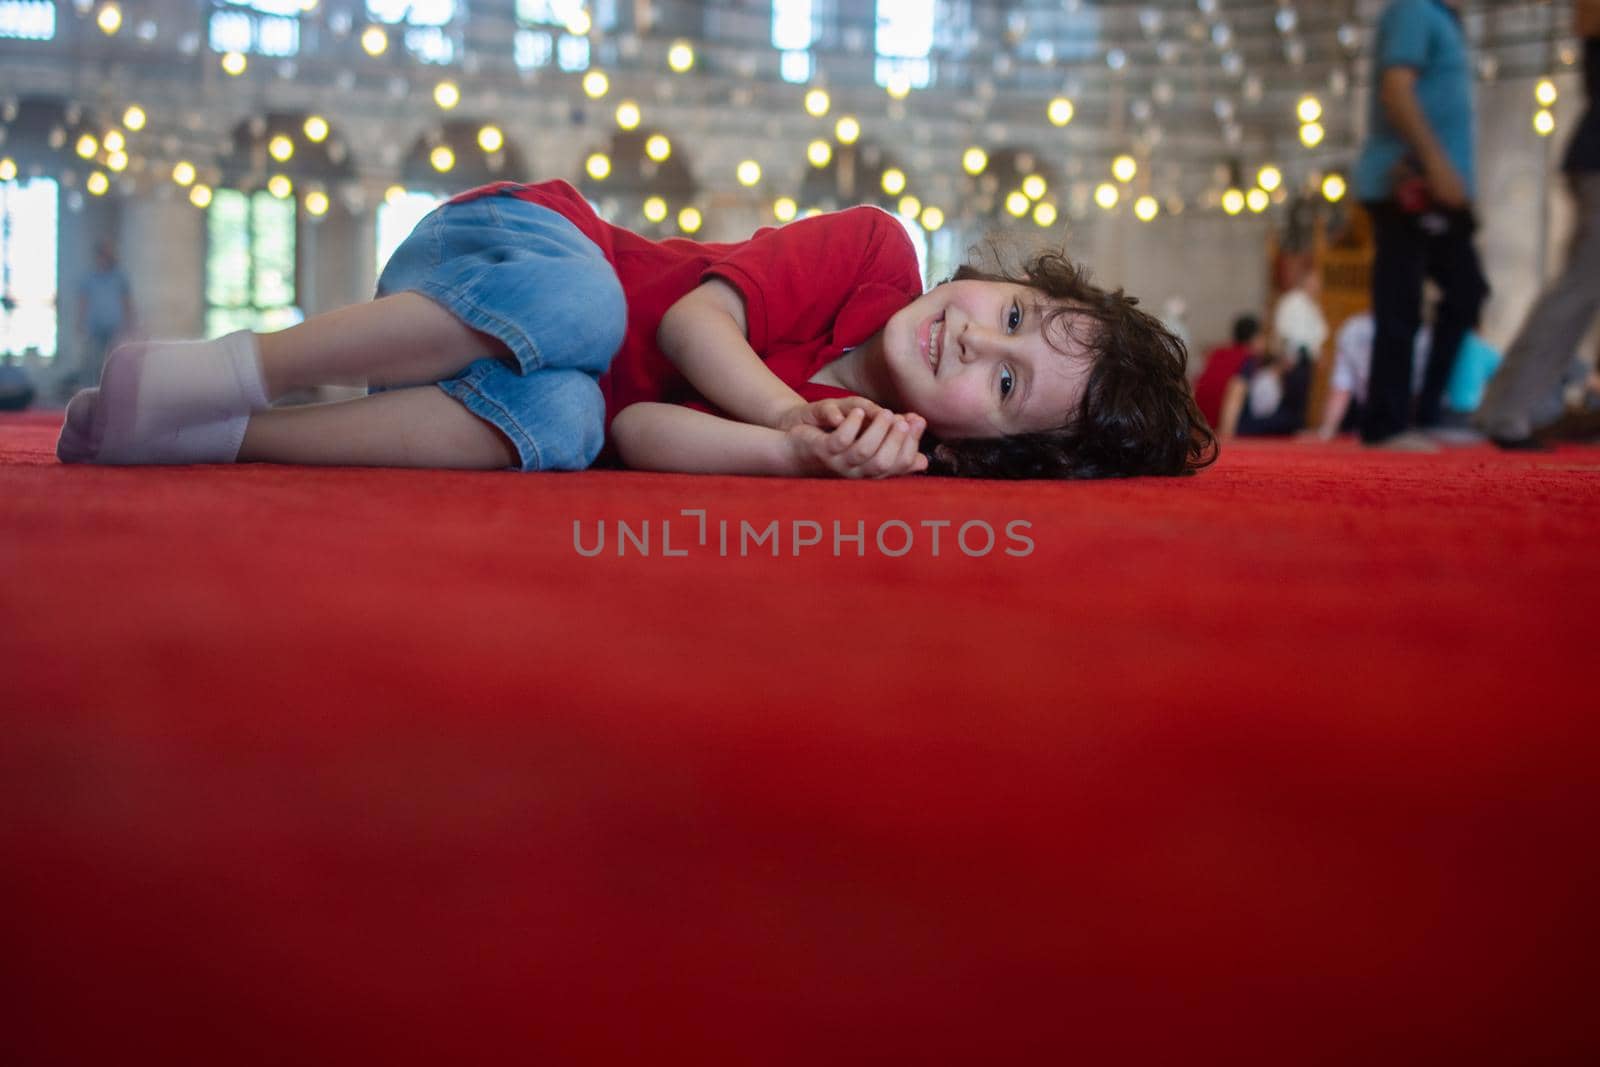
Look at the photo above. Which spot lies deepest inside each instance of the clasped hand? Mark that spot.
(852, 437)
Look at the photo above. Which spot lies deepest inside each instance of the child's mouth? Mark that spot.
(935, 335)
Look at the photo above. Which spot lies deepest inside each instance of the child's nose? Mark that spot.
(978, 342)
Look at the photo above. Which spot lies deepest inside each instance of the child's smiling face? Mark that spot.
(976, 359)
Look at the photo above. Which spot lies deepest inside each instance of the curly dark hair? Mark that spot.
(1137, 415)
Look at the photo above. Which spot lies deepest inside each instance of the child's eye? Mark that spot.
(1006, 383)
(1014, 317)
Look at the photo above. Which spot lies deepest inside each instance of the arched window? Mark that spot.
(557, 30)
(904, 39)
(28, 20)
(265, 27)
(28, 212)
(427, 25)
(793, 31)
(250, 263)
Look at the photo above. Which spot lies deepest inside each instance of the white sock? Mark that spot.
(178, 401)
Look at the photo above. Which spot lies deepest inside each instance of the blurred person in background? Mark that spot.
(1526, 396)
(105, 311)
(1416, 179)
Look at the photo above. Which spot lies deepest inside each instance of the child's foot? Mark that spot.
(79, 442)
(167, 402)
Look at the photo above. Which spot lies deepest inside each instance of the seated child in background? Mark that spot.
(1225, 363)
(1269, 398)
(515, 328)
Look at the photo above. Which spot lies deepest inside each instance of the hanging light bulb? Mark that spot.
(1146, 208)
(1544, 123)
(680, 57)
(847, 130)
(280, 148)
(447, 95)
(1311, 134)
(819, 153)
(658, 148)
(1333, 187)
(183, 172)
(374, 41)
(898, 85)
(1107, 195)
(894, 181)
(200, 196)
(87, 146)
(784, 208)
(748, 172)
(689, 220)
(628, 115)
(817, 103)
(280, 186)
(1269, 178)
(1233, 201)
(234, 63)
(316, 129)
(109, 19)
(134, 117)
(974, 160)
(1060, 111)
(1309, 109)
(598, 166)
(490, 139)
(596, 84)
(317, 202)
(1123, 168)
(1545, 92)
(1017, 203)
(113, 141)
(442, 158)
(1257, 200)
(97, 184)
(909, 206)
(655, 209)
(1044, 214)
(1034, 186)
(932, 218)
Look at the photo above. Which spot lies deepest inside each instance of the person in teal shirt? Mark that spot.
(1416, 179)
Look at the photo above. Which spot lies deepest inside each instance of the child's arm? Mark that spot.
(704, 335)
(667, 437)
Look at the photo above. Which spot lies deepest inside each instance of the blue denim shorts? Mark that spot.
(525, 275)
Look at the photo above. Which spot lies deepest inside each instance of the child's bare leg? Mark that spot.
(419, 427)
(189, 402)
(401, 339)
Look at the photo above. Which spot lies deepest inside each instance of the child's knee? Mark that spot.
(574, 432)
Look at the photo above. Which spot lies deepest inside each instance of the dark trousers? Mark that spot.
(1410, 248)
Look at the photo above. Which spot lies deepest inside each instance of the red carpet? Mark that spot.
(1287, 762)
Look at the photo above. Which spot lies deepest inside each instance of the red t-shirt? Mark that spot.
(811, 289)
(1221, 366)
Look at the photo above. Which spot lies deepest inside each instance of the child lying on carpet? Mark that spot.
(515, 328)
